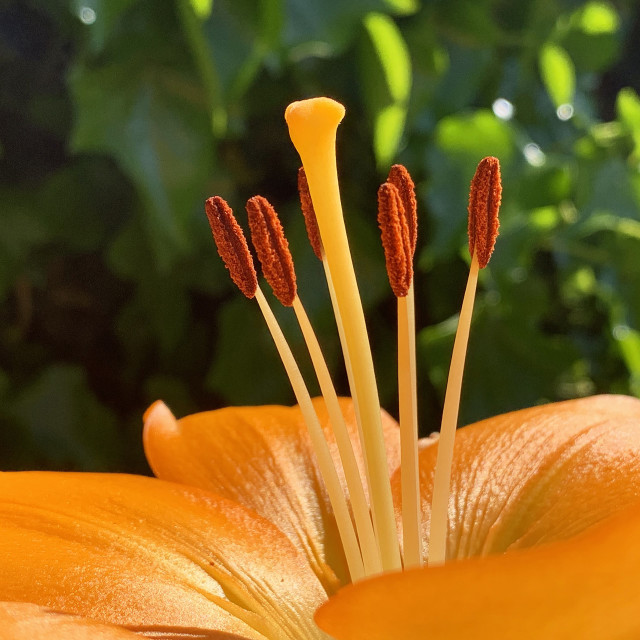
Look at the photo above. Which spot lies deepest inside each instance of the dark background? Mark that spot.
(119, 117)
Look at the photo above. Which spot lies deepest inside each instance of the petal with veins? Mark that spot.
(537, 475)
(262, 457)
(26, 621)
(586, 588)
(149, 554)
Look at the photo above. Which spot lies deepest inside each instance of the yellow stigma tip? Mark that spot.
(309, 119)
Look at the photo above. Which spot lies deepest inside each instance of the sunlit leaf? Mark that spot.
(202, 8)
(628, 109)
(100, 17)
(324, 28)
(388, 84)
(153, 120)
(558, 74)
(59, 410)
(403, 7)
(598, 17)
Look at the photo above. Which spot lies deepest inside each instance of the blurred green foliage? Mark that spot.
(118, 118)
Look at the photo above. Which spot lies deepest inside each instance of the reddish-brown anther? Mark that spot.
(309, 214)
(398, 253)
(399, 177)
(484, 203)
(272, 249)
(232, 245)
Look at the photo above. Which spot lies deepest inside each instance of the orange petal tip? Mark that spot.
(158, 414)
(151, 409)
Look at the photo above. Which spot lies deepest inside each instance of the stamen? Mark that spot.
(232, 245)
(272, 248)
(277, 264)
(395, 239)
(306, 204)
(364, 527)
(312, 127)
(397, 218)
(483, 229)
(399, 177)
(320, 446)
(484, 203)
(230, 239)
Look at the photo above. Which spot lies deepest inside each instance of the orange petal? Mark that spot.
(538, 475)
(261, 457)
(585, 588)
(26, 621)
(150, 555)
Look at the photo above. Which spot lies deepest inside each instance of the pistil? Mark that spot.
(312, 126)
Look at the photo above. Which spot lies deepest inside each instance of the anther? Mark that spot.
(484, 203)
(395, 239)
(232, 245)
(309, 213)
(272, 248)
(399, 177)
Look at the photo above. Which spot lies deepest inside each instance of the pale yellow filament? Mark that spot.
(320, 446)
(442, 478)
(408, 406)
(312, 126)
(364, 527)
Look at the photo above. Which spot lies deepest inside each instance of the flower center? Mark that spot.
(367, 529)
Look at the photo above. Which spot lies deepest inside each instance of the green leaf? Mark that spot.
(403, 7)
(593, 39)
(597, 18)
(159, 312)
(73, 429)
(152, 119)
(461, 141)
(628, 110)
(202, 8)
(247, 369)
(474, 136)
(324, 28)
(100, 17)
(387, 84)
(558, 74)
(628, 341)
(240, 35)
(526, 365)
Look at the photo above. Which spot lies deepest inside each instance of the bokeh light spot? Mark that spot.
(503, 109)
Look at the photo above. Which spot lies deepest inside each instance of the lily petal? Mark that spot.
(262, 457)
(149, 554)
(586, 588)
(537, 475)
(26, 621)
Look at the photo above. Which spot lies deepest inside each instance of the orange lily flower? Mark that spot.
(241, 535)
(171, 560)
